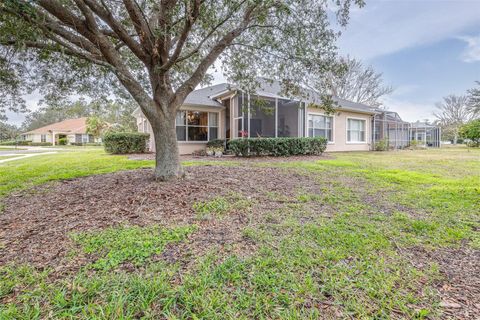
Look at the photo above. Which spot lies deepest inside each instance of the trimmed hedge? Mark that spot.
(277, 146)
(125, 142)
(15, 143)
(216, 143)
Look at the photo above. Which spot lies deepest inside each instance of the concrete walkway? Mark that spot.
(20, 156)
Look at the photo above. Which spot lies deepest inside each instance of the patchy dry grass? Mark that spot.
(363, 236)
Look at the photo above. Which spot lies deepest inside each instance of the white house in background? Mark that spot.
(74, 130)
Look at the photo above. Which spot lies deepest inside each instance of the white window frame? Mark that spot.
(366, 131)
(208, 126)
(324, 115)
(43, 138)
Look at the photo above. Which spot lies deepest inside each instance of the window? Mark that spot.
(145, 126)
(196, 125)
(84, 138)
(320, 126)
(356, 130)
(43, 138)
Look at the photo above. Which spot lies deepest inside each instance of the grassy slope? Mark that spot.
(352, 260)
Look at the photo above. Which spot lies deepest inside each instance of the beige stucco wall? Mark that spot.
(185, 147)
(38, 137)
(340, 131)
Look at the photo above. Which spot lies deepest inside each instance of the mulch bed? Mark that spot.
(459, 286)
(36, 224)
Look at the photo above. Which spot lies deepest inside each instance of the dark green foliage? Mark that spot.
(7, 131)
(125, 142)
(471, 131)
(216, 143)
(62, 141)
(15, 143)
(278, 146)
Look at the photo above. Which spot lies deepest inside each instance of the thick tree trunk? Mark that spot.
(167, 157)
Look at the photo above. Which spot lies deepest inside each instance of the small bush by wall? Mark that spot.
(278, 146)
(125, 142)
(62, 141)
(216, 143)
(382, 145)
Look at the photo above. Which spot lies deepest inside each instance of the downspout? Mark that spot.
(373, 132)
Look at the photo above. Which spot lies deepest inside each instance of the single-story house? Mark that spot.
(224, 112)
(73, 130)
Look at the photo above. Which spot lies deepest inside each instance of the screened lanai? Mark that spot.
(388, 126)
(267, 115)
(399, 134)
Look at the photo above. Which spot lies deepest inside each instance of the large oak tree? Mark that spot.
(160, 50)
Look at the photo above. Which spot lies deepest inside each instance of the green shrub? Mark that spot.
(40, 144)
(216, 143)
(62, 141)
(381, 145)
(125, 142)
(278, 146)
(15, 143)
(471, 132)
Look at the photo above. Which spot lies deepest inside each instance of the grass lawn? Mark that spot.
(364, 235)
(3, 157)
(22, 174)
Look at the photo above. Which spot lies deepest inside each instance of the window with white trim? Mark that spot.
(356, 130)
(196, 125)
(320, 126)
(43, 138)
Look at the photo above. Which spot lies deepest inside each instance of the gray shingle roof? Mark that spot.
(203, 97)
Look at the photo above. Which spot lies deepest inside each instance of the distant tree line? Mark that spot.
(456, 111)
(116, 113)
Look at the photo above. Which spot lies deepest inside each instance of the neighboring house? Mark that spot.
(224, 112)
(74, 130)
(425, 134)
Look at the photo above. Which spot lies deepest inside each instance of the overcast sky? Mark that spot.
(426, 49)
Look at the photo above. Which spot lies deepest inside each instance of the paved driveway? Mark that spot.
(13, 154)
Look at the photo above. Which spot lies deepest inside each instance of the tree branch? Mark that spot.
(217, 49)
(118, 30)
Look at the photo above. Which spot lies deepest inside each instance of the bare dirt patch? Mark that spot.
(36, 224)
